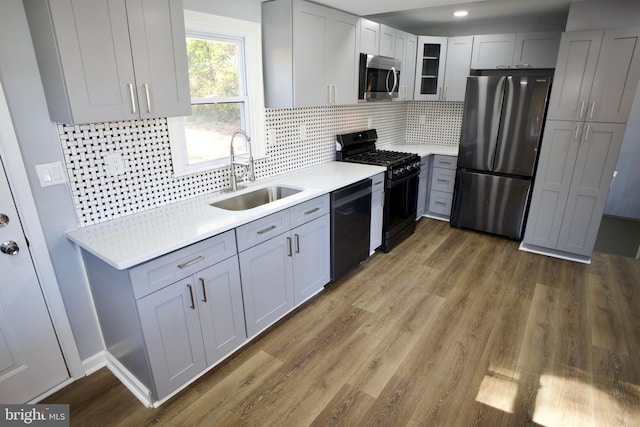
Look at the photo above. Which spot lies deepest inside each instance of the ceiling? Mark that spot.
(435, 17)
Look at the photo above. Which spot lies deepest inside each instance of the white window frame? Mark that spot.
(200, 24)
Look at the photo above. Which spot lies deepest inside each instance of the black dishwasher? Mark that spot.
(350, 227)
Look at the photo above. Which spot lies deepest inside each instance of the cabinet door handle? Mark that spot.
(146, 91)
(329, 94)
(312, 211)
(582, 104)
(190, 263)
(586, 133)
(193, 301)
(575, 136)
(266, 230)
(593, 107)
(444, 97)
(133, 100)
(204, 290)
(290, 248)
(297, 243)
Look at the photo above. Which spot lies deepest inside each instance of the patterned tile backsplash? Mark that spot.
(149, 182)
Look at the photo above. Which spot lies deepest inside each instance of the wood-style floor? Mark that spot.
(452, 328)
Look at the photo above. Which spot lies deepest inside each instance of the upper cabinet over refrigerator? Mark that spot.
(111, 60)
(596, 76)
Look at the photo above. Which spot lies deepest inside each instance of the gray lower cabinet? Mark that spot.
(284, 260)
(575, 170)
(168, 319)
(443, 176)
(423, 185)
(192, 324)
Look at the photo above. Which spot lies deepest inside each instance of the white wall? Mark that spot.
(249, 10)
(39, 143)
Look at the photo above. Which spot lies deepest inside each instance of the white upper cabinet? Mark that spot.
(536, 50)
(457, 68)
(111, 60)
(442, 68)
(596, 76)
(407, 72)
(320, 67)
(522, 50)
(369, 37)
(493, 51)
(387, 41)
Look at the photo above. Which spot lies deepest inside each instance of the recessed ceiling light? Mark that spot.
(460, 13)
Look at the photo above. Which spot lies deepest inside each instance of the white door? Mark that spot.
(31, 361)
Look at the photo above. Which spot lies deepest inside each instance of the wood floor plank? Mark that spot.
(384, 360)
(347, 408)
(451, 328)
(616, 388)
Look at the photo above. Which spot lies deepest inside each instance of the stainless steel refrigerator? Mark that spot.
(499, 142)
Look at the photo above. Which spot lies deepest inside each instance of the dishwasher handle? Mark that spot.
(350, 193)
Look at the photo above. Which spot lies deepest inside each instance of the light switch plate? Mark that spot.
(51, 174)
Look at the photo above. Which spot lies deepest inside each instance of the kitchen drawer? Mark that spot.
(162, 271)
(307, 211)
(443, 179)
(440, 202)
(262, 229)
(445, 162)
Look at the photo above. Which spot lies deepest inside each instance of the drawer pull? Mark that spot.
(204, 290)
(312, 211)
(441, 203)
(190, 263)
(193, 301)
(377, 183)
(268, 229)
(443, 180)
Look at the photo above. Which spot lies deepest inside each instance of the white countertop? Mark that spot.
(140, 237)
(425, 149)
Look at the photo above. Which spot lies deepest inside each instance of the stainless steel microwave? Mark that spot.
(379, 78)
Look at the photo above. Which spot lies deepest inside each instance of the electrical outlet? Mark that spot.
(114, 164)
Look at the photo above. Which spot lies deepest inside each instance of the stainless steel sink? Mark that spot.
(255, 198)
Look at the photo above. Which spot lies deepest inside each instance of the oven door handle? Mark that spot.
(390, 183)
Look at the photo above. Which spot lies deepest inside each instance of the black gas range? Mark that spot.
(401, 183)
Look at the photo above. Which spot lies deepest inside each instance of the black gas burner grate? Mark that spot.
(380, 157)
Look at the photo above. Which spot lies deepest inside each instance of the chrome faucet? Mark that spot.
(250, 173)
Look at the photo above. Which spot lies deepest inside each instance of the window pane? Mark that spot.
(213, 68)
(209, 128)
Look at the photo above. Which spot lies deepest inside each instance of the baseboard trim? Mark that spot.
(94, 363)
(554, 254)
(129, 380)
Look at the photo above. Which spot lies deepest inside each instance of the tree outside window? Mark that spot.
(218, 97)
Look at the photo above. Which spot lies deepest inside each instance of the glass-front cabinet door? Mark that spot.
(430, 67)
